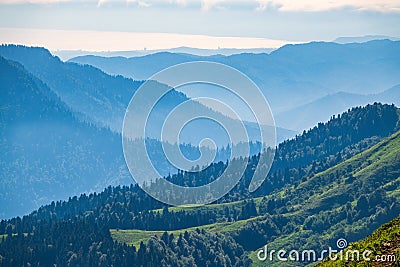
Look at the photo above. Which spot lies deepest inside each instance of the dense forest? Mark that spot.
(80, 243)
(127, 200)
(311, 152)
(321, 183)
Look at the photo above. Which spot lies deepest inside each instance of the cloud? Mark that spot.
(139, 3)
(101, 2)
(32, 1)
(179, 2)
(205, 4)
(261, 5)
(125, 41)
(318, 5)
(208, 4)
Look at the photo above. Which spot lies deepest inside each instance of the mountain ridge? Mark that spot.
(102, 99)
(38, 129)
(322, 109)
(291, 75)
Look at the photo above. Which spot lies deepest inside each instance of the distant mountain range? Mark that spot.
(289, 76)
(102, 99)
(49, 152)
(68, 54)
(362, 39)
(304, 117)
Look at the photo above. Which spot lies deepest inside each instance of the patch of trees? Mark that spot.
(79, 243)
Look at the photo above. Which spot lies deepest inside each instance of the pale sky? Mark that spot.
(110, 25)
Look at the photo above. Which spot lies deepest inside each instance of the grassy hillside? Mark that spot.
(331, 203)
(134, 237)
(221, 206)
(385, 241)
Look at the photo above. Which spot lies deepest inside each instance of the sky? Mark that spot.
(114, 25)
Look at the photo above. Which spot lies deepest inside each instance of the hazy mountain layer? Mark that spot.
(291, 75)
(309, 114)
(46, 152)
(102, 99)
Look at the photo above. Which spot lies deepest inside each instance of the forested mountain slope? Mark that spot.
(350, 199)
(53, 142)
(46, 152)
(325, 200)
(312, 152)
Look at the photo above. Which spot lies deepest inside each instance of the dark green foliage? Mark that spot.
(126, 208)
(79, 243)
(254, 233)
(309, 153)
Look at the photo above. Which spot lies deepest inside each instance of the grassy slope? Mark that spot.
(134, 237)
(366, 167)
(211, 206)
(384, 241)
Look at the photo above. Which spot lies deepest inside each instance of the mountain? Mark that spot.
(312, 151)
(46, 152)
(49, 153)
(315, 151)
(289, 76)
(307, 115)
(64, 130)
(349, 200)
(96, 96)
(102, 99)
(68, 54)
(362, 39)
